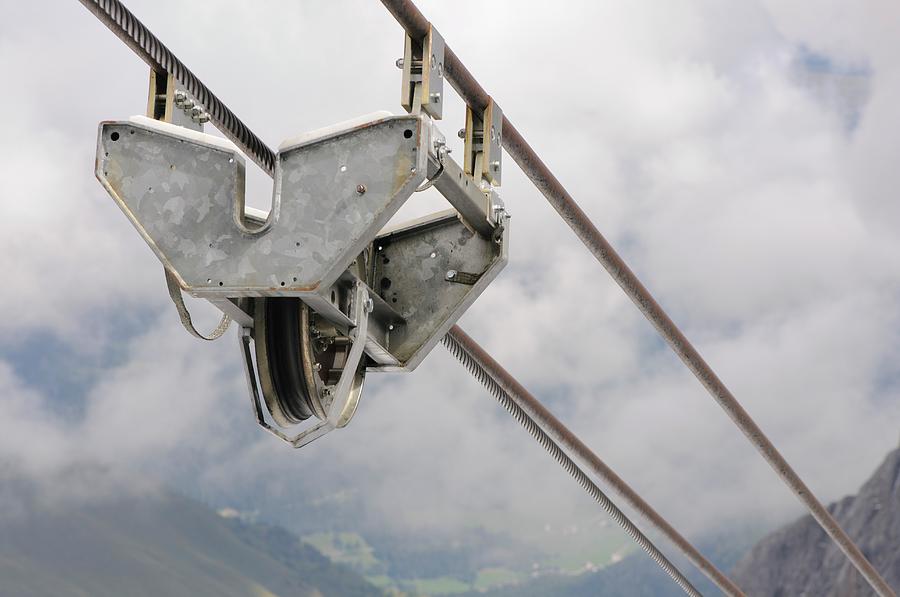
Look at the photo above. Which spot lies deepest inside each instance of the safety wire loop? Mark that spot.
(416, 25)
(456, 342)
(185, 316)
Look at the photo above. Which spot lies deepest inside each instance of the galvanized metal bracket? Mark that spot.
(344, 400)
(484, 141)
(169, 101)
(423, 74)
(334, 190)
(415, 267)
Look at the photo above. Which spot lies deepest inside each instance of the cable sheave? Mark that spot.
(453, 341)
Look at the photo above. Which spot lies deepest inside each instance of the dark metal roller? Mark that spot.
(282, 378)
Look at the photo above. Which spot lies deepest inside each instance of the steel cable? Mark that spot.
(416, 25)
(455, 342)
(488, 367)
(136, 36)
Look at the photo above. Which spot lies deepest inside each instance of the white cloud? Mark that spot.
(744, 203)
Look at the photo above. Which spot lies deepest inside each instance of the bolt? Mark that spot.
(436, 98)
(180, 98)
(451, 274)
(187, 105)
(391, 326)
(204, 118)
(370, 305)
(317, 366)
(361, 189)
(461, 133)
(399, 63)
(496, 166)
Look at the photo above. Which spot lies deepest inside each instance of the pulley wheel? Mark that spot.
(277, 337)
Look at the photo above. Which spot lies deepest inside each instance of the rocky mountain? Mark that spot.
(800, 559)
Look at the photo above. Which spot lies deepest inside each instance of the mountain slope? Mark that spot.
(637, 575)
(800, 559)
(160, 545)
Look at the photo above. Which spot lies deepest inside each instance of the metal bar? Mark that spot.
(472, 356)
(136, 36)
(471, 203)
(415, 24)
(491, 373)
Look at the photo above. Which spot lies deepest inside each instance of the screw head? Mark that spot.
(361, 189)
(451, 274)
(461, 133)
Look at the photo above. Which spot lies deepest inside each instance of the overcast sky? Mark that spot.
(742, 155)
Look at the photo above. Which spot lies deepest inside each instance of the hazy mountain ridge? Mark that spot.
(159, 544)
(637, 575)
(800, 559)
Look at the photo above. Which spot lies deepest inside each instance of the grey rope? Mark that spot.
(136, 36)
(458, 351)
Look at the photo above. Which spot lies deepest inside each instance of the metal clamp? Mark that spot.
(423, 74)
(484, 140)
(344, 401)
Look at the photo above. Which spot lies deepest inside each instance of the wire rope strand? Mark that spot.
(416, 25)
(147, 46)
(464, 357)
(556, 429)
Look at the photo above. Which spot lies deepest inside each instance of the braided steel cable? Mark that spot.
(416, 25)
(452, 342)
(136, 36)
(568, 441)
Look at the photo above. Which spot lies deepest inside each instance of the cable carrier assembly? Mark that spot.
(323, 291)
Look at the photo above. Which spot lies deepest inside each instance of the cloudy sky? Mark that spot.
(740, 154)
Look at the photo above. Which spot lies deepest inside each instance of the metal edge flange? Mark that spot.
(346, 393)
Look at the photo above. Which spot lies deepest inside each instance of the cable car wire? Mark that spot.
(416, 25)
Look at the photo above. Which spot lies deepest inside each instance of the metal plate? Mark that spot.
(492, 161)
(184, 192)
(411, 274)
(433, 73)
